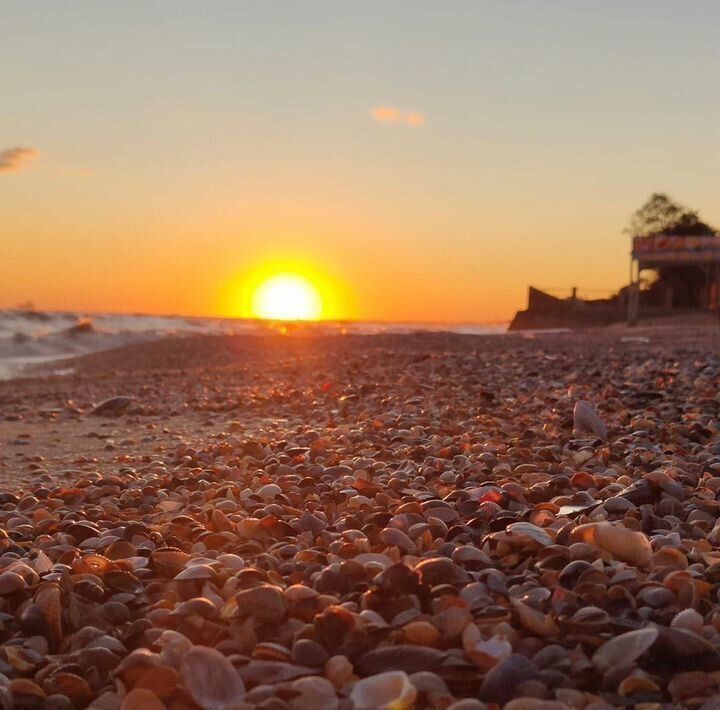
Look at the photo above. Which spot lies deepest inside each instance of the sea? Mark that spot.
(29, 337)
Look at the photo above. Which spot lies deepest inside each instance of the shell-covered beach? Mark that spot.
(408, 521)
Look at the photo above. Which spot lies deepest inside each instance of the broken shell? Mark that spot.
(391, 690)
(313, 692)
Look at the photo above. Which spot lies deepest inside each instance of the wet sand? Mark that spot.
(323, 511)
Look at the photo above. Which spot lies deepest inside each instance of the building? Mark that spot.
(685, 278)
(687, 269)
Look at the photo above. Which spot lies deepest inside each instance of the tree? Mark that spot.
(662, 215)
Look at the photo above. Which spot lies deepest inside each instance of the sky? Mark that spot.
(423, 161)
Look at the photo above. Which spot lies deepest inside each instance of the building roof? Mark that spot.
(663, 249)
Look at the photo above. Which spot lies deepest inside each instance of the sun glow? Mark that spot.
(287, 296)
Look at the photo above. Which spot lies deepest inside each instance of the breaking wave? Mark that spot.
(28, 336)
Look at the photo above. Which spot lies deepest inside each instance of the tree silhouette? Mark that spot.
(662, 215)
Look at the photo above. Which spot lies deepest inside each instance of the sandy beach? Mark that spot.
(350, 522)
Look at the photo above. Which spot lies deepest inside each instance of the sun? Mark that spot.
(287, 296)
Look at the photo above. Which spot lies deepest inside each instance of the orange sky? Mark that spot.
(421, 162)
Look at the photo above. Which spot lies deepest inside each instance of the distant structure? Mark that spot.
(546, 311)
(685, 279)
(688, 274)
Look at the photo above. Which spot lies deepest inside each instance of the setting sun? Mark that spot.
(287, 297)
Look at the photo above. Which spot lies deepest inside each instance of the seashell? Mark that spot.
(623, 544)
(586, 419)
(589, 619)
(169, 506)
(451, 621)
(23, 689)
(501, 680)
(111, 701)
(530, 703)
(313, 692)
(656, 596)
(195, 573)
(688, 619)
(108, 642)
(269, 491)
(441, 570)
(410, 659)
(210, 679)
(197, 606)
(25, 571)
(670, 557)
(397, 538)
(20, 659)
(138, 658)
(11, 582)
(674, 643)
(173, 647)
(391, 690)
(271, 672)
(141, 699)
(48, 601)
(231, 561)
(269, 651)
(573, 509)
(470, 554)
(433, 687)
(265, 602)
(685, 686)
(168, 562)
(637, 682)
(535, 621)
(422, 633)
(309, 653)
(371, 558)
(74, 687)
(92, 564)
(42, 563)
(122, 581)
(624, 648)
(338, 670)
(101, 658)
(162, 680)
(485, 654)
(112, 406)
(298, 593)
(120, 549)
(532, 532)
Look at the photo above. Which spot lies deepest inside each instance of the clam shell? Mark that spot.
(142, 699)
(624, 648)
(586, 419)
(622, 543)
(210, 679)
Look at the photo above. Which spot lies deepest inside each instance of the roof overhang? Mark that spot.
(664, 249)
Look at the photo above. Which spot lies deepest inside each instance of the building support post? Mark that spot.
(633, 295)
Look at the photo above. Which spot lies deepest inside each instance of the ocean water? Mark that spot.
(30, 337)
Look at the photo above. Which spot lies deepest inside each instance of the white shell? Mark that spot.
(586, 419)
(392, 689)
